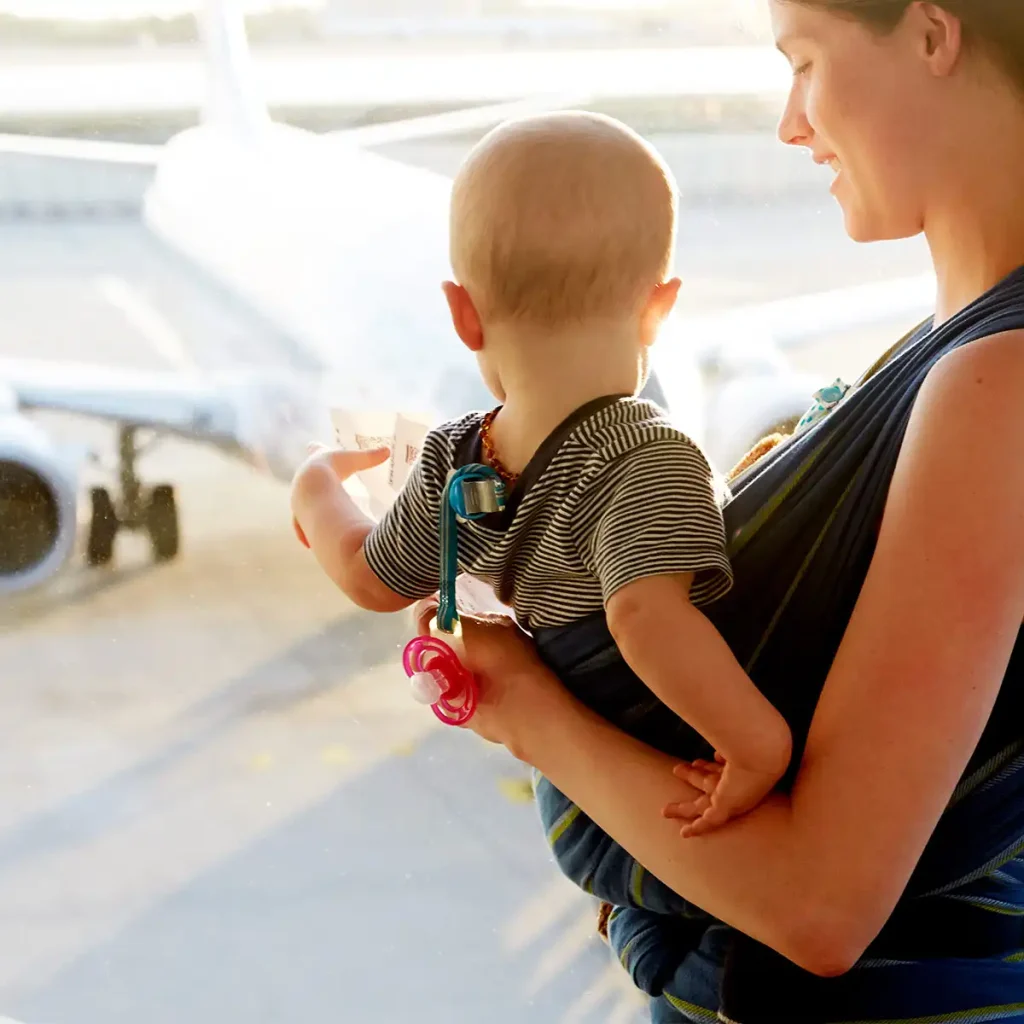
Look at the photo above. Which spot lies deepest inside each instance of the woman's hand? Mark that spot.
(514, 683)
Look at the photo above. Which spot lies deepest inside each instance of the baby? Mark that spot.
(611, 538)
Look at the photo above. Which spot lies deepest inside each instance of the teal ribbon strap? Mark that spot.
(471, 492)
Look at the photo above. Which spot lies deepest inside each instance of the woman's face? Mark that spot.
(861, 102)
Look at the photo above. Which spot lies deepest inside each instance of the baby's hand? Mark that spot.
(728, 791)
(341, 462)
(324, 470)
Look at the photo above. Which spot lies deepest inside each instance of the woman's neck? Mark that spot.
(971, 254)
(975, 230)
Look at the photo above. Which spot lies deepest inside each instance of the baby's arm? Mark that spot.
(335, 529)
(655, 538)
(680, 655)
(385, 566)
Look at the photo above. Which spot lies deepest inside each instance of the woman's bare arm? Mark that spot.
(815, 876)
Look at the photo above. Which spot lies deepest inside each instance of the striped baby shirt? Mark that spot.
(617, 494)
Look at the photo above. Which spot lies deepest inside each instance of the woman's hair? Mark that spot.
(997, 26)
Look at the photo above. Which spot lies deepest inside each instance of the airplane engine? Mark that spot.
(38, 504)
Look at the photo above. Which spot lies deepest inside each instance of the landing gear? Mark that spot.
(153, 510)
(103, 526)
(162, 522)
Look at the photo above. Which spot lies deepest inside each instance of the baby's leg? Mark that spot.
(595, 862)
(651, 947)
(585, 658)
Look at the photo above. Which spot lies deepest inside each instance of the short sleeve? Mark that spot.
(656, 510)
(404, 548)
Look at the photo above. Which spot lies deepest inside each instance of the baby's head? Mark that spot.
(560, 223)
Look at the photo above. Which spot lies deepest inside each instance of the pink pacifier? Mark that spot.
(437, 676)
(439, 679)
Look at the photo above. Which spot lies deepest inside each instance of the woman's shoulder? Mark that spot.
(1003, 348)
(959, 479)
(980, 383)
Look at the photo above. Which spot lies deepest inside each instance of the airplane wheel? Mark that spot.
(162, 523)
(103, 527)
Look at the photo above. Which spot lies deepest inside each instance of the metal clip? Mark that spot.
(480, 497)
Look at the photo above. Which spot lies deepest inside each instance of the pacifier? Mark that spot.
(438, 678)
(436, 675)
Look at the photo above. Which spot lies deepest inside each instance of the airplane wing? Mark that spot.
(163, 401)
(82, 150)
(265, 419)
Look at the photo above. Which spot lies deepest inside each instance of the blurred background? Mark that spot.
(217, 802)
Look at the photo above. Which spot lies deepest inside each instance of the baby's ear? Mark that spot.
(666, 295)
(465, 317)
(660, 304)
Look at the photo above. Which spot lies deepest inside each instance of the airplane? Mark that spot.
(342, 249)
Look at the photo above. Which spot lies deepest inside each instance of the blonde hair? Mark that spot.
(562, 217)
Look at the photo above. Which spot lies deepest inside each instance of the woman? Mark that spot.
(883, 884)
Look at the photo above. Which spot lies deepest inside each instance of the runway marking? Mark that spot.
(145, 318)
(403, 750)
(337, 755)
(516, 791)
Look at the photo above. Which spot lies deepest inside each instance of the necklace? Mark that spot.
(490, 455)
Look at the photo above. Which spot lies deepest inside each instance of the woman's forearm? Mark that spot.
(756, 874)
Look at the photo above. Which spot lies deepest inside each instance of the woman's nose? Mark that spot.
(794, 128)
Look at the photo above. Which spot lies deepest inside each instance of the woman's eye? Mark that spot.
(802, 69)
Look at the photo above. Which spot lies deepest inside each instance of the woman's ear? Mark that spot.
(465, 317)
(941, 37)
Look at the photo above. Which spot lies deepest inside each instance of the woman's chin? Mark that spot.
(858, 230)
(864, 224)
(859, 226)
(867, 229)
